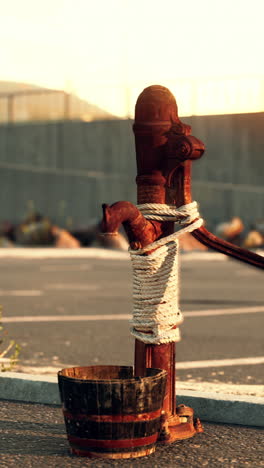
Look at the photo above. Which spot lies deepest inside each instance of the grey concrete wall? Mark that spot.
(229, 178)
(68, 169)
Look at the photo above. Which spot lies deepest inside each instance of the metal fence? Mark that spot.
(31, 105)
(203, 96)
(109, 101)
(28, 105)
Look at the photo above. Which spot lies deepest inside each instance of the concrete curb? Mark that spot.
(51, 253)
(29, 388)
(225, 408)
(213, 407)
(93, 252)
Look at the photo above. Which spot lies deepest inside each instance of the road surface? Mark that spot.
(75, 311)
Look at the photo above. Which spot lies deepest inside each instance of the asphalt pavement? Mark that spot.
(34, 436)
(74, 311)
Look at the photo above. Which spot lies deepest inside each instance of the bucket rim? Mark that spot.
(161, 373)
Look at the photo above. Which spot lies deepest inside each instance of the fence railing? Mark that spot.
(201, 96)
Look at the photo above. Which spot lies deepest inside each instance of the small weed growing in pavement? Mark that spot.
(8, 352)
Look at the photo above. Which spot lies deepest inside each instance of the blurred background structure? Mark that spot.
(69, 80)
(24, 102)
(66, 157)
(20, 102)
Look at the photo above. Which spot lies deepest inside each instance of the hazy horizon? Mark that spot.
(208, 54)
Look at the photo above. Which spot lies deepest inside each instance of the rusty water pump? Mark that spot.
(165, 149)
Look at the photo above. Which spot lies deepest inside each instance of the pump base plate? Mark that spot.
(181, 426)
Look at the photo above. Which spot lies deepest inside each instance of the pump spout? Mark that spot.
(139, 230)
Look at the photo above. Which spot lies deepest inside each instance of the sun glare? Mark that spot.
(208, 53)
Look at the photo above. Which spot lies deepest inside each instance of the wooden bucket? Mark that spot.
(109, 413)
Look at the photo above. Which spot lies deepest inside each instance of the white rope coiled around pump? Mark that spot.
(156, 313)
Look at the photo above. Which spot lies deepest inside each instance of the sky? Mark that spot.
(208, 52)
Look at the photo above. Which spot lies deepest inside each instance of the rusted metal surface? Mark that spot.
(165, 150)
(163, 144)
(140, 231)
(232, 250)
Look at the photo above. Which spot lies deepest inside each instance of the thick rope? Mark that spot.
(156, 313)
(159, 212)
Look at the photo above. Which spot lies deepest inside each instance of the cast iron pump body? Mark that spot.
(165, 150)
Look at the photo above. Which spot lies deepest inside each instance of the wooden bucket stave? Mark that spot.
(109, 413)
